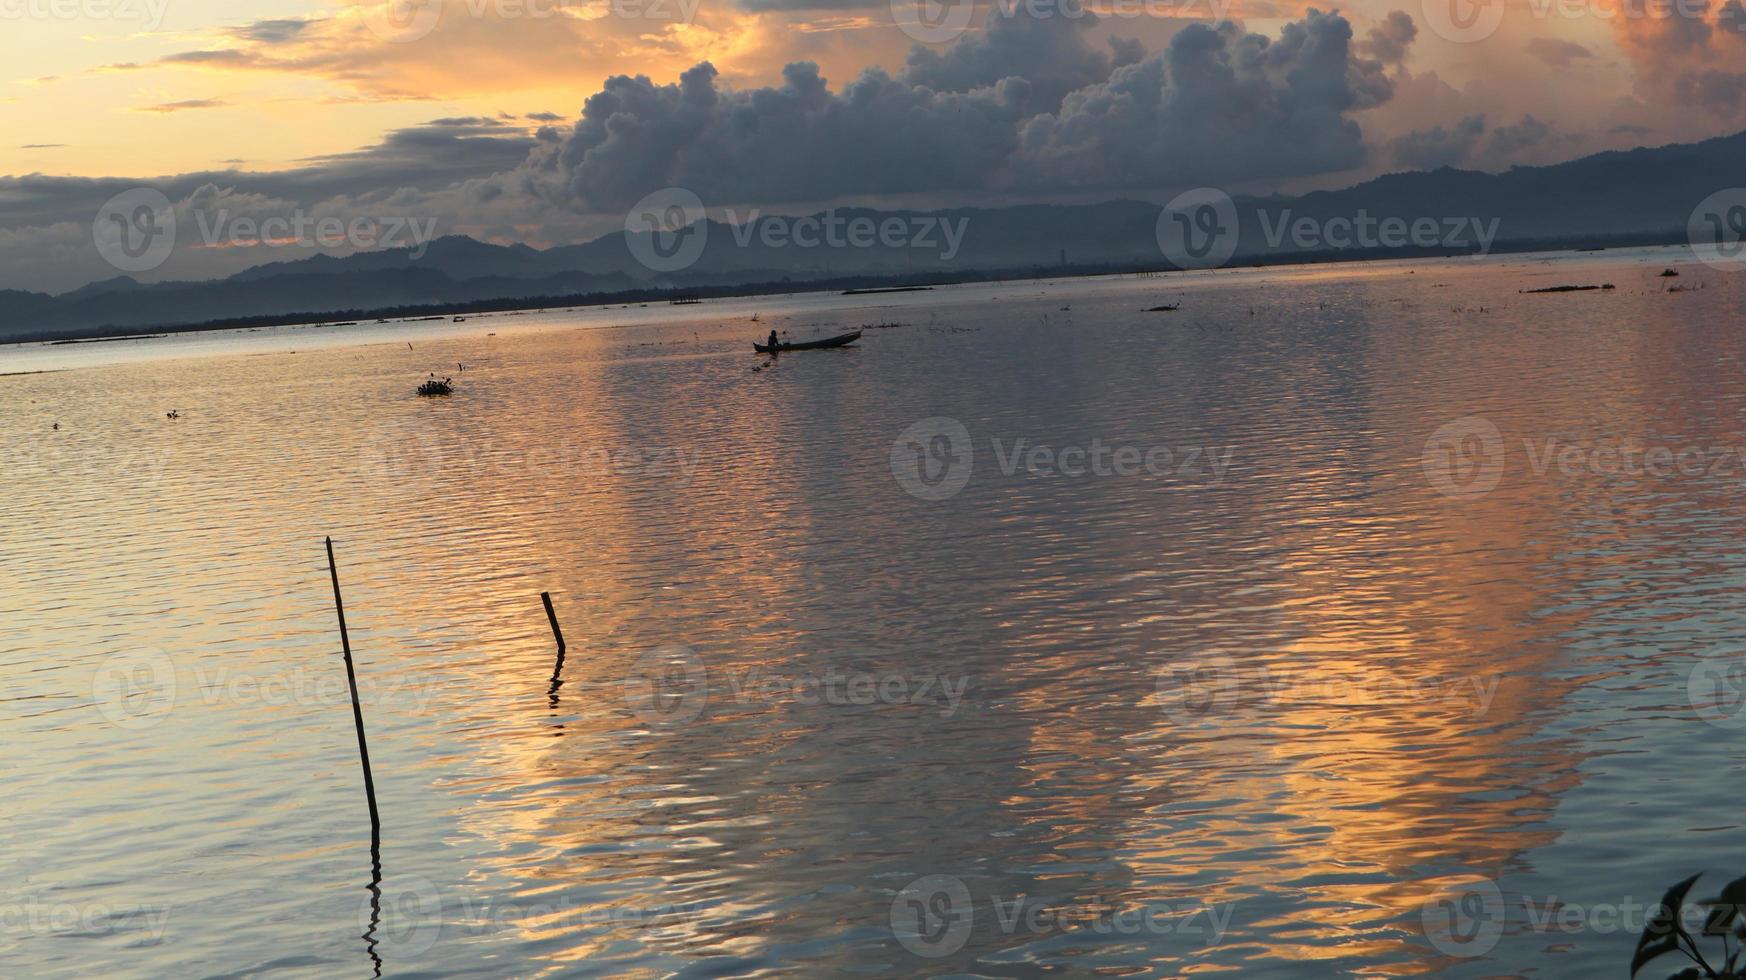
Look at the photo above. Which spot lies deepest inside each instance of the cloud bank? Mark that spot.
(1027, 105)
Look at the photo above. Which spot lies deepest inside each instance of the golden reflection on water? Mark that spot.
(1308, 694)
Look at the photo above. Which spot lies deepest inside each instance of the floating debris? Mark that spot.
(435, 387)
(1568, 289)
(1669, 273)
(1169, 309)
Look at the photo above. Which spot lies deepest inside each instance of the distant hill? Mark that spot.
(1642, 195)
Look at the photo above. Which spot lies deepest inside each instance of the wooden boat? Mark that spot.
(842, 341)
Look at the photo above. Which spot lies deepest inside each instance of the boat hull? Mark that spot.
(829, 342)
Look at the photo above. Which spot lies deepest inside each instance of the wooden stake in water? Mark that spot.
(558, 669)
(357, 711)
(546, 597)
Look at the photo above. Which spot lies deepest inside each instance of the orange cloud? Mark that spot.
(464, 49)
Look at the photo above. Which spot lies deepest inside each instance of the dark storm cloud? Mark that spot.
(796, 141)
(1219, 104)
(1049, 53)
(426, 157)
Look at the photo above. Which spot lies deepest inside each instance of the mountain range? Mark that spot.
(1640, 196)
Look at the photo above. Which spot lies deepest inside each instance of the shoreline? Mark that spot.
(841, 285)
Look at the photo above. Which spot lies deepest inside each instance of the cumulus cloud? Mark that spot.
(797, 141)
(1689, 53)
(1438, 146)
(1219, 104)
(1049, 53)
(1389, 41)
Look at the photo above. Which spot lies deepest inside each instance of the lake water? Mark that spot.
(1375, 619)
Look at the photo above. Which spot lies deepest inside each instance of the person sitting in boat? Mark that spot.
(772, 340)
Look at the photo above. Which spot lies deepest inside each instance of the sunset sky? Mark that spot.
(471, 112)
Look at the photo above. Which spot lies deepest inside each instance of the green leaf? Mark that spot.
(1661, 933)
(1725, 907)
